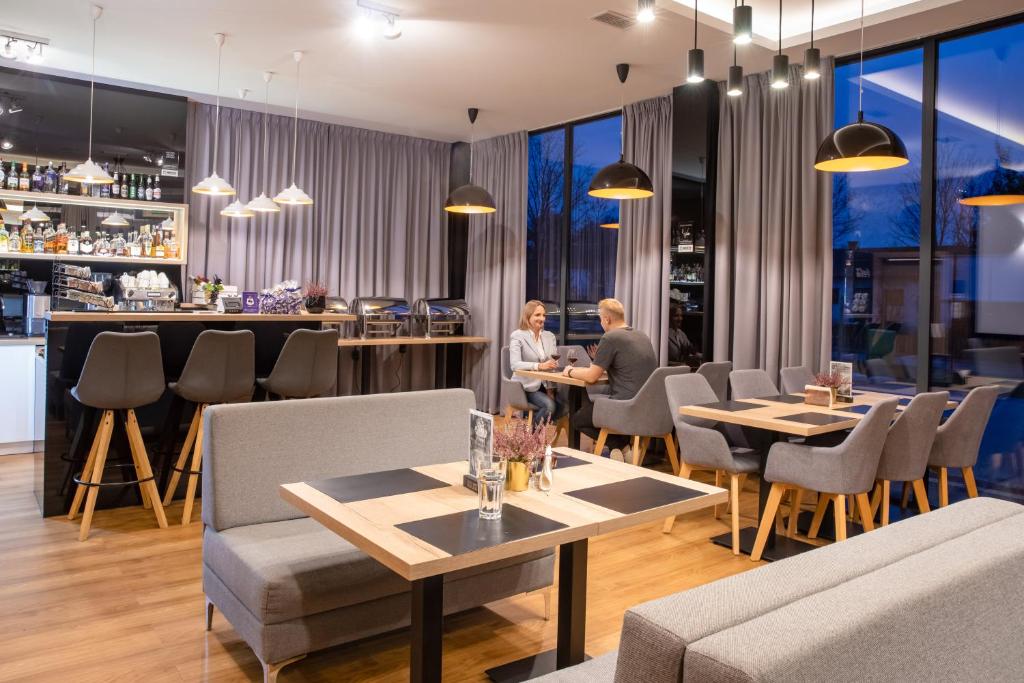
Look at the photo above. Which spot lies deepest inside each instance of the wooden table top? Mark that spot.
(412, 341)
(558, 378)
(765, 413)
(190, 316)
(563, 515)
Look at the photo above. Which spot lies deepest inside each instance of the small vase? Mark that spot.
(316, 304)
(820, 396)
(518, 477)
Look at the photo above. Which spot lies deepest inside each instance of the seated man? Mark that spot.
(628, 357)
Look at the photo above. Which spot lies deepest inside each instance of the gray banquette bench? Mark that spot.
(939, 597)
(287, 584)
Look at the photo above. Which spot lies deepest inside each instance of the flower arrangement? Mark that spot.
(284, 298)
(210, 289)
(520, 445)
(316, 297)
(823, 391)
(832, 380)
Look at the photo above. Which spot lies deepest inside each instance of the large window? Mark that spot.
(570, 258)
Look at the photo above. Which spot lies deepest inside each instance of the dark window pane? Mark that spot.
(544, 215)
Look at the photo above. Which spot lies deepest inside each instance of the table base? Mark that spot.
(783, 547)
(526, 668)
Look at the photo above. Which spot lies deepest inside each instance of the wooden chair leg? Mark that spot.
(884, 502)
(972, 486)
(599, 444)
(734, 500)
(547, 603)
(943, 487)
(138, 448)
(771, 509)
(670, 448)
(905, 497)
(637, 456)
(529, 418)
(271, 671)
(685, 470)
(509, 413)
(666, 528)
(794, 512)
(645, 443)
(819, 514)
(183, 457)
(840, 514)
(864, 506)
(193, 478)
(718, 483)
(209, 615)
(86, 475)
(921, 495)
(561, 427)
(107, 425)
(876, 498)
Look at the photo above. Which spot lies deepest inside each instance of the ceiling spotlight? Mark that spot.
(391, 28)
(8, 50)
(645, 11)
(6, 145)
(375, 19)
(22, 46)
(34, 54)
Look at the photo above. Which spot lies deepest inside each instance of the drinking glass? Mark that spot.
(572, 358)
(491, 485)
(555, 356)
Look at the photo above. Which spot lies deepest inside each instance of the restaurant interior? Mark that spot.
(575, 341)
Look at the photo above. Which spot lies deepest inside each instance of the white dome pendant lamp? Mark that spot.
(293, 195)
(263, 203)
(89, 172)
(213, 184)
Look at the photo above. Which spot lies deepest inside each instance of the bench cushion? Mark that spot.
(295, 568)
(597, 670)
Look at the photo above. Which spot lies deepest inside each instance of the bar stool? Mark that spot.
(121, 372)
(307, 366)
(221, 368)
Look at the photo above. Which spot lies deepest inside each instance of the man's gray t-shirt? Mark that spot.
(628, 357)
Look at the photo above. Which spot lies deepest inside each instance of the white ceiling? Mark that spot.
(525, 63)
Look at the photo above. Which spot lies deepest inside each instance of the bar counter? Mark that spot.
(193, 316)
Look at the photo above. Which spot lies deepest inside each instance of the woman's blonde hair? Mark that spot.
(528, 309)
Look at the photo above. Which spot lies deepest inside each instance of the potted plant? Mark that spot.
(823, 391)
(519, 445)
(205, 290)
(316, 297)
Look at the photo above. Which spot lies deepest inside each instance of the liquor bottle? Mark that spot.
(5, 239)
(49, 178)
(146, 241)
(115, 189)
(72, 242)
(124, 185)
(49, 239)
(102, 245)
(3, 174)
(105, 188)
(170, 247)
(118, 245)
(27, 238)
(12, 177)
(85, 245)
(25, 179)
(62, 182)
(14, 241)
(133, 188)
(158, 246)
(38, 242)
(62, 239)
(149, 188)
(37, 180)
(134, 246)
(156, 189)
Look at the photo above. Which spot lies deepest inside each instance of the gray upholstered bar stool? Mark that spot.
(645, 416)
(701, 447)
(839, 472)
(958, 439)
(121, 372)
(221, 368)
(906, 450)
(717, 375)
(307, 366)
(794, 379)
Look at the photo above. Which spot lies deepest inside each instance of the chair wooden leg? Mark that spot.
(771, 509)
(599, 444)
(718, 483)
(876, 498)
(637, 455)
(972, 486)
(670, 448)
(921, 495)
(734, 500)
(864, 507)
(819, 514)
(794, 512)
(884, 502)
(183, 458)
(905, 497)
(840, 514)
(561, 427)
(107, 427)
(138, 448)
(645, 443)
(209, 615)
(193, 478)
(685, 470)
(509, 413)
(529, 418)
(547, 603)
(270, 671)
(86, 475)
(943, 487)
(666, 528)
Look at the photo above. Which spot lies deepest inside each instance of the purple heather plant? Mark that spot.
(832, 380)
(315, 290)
(518, 442)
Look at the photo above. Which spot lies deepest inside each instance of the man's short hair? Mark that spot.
(612, 308)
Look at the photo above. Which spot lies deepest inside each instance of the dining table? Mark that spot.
(577, 390)
(784, 416)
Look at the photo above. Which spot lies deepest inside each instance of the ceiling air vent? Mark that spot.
(615, 19)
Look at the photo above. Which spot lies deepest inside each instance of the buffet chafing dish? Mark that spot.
(378, 316)
(336, 304)
(440, 317)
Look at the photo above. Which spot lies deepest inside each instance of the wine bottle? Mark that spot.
(133, 188)
(12, 178)
(149, 188)
(115, 189)
(50, 178)
(156, 189)
(124, 184)
(37, 180)
(25, 179)
(3, 174)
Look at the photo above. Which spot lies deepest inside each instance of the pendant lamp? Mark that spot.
(621, 180)
(695, 57)
(293, 195)
(470, 198)
(213, 184)
(34, 215)
(812, 55)
(115, 220)
(263, 203)
(861, 146)
(742, 24)
(89, 172)
(780, 62)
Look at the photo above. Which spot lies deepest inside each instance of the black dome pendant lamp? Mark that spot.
(861, 146)
(621, 180)
(470, 198)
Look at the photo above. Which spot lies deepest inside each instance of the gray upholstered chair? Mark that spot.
(644, 416)
(701, 447)
(907, 446)
(794, 379)
(583, 361)
(513, 396)
(957, 441)
(751, 384)
(121, 372)
(221, 368)
(836, 473)
(717, 375)
(307, 366)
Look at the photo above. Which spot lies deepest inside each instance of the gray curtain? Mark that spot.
(377, 227)
(496, 262)
(773, 231)
(642, 263)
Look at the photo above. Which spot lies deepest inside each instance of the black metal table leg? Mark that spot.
(427, 616)
(365, 369)
(575, 402)
(440, 365)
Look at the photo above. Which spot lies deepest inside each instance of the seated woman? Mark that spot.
(530, 348)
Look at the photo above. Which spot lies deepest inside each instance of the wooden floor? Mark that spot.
(127, 604)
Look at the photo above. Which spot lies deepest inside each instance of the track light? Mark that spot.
(376, 19)
(644, 11)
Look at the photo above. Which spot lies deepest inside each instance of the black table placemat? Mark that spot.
(463, 532)
(863, 410)
(634, 495)
(563, 461)
(817, 419)
(731, 406)
(376, 485)
(784, 398)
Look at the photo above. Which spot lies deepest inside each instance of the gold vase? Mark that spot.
(518, 476)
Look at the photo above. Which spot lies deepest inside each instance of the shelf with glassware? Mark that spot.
(85, 228)
(686, 292)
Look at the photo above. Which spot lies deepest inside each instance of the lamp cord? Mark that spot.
(812, 24)
(860, 79)
(216, 126)
(694, 24)
(780, 26)
(295, 128)
(92, 83)
(266, 140)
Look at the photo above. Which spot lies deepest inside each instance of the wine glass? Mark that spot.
(555, 356)
(572, 358)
